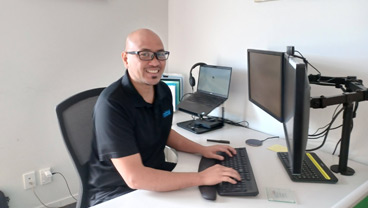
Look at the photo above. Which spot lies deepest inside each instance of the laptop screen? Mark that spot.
(214, 80)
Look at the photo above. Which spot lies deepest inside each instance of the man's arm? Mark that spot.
(180, 143)
(137, 176)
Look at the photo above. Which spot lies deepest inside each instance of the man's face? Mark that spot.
(144, 72)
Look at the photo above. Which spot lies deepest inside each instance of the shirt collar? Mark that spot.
(139, 101)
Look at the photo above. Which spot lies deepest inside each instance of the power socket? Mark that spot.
(29, 180)
(45, 176)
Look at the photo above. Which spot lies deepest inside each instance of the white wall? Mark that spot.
(50, 50)
(331, 34)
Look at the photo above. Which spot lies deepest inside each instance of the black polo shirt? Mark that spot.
(125, 125)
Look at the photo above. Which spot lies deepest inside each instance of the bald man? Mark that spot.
(133, 118)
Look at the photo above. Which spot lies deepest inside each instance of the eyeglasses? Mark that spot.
(149, 55)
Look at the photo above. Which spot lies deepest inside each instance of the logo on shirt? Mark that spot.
(166, 113)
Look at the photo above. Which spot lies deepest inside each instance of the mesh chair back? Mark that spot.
(76, 124)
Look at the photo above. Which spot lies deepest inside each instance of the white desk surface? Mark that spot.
(267, 169)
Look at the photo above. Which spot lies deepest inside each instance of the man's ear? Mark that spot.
(125, 59)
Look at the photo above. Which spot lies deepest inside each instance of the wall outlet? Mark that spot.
(29, 180)
(45, 176)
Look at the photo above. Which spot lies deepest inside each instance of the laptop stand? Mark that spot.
(202, 125)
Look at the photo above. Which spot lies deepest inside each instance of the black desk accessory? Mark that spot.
(257, 142)
(353, 91)
(202, 125)
(241, 163)
(219, 141)
(207, 192)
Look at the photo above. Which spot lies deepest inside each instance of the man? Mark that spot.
(133, 119)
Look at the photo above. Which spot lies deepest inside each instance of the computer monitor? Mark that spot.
(175, 83)
(278, 84)
(265, 79)
(296, 108)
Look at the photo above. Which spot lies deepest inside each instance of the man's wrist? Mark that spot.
(202, 150)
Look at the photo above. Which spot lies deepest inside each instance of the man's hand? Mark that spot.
(211, 151)
(217, 174)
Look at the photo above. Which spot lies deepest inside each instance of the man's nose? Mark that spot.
(154, 61)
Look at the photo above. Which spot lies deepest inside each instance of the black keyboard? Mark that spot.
(205, 99)
(313, 169)
(240, 162)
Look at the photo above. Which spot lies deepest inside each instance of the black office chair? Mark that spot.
(76, 124)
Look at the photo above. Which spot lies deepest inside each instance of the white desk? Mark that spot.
(268, 171)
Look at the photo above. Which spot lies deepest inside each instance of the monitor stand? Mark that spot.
(202, 125)
(354, 91)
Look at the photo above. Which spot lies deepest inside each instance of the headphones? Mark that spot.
(192, 81)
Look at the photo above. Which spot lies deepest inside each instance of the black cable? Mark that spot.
(333, 153)
(334, 113)
(182, 97)
(66, 182)
(337, 127)
(321, 134)
(337, 144)
(239, 124)
(230, 122)
(329, 127)
(355, 109)
(308, 62)
(315, 133)
(273, 137)
(324, 131)
(34, 192)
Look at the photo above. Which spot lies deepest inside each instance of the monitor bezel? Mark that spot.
(298, 143)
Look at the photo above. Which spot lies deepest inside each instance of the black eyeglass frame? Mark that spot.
(154, 54)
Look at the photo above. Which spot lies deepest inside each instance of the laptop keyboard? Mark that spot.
(205, 99)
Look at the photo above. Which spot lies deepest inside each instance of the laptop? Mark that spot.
(212, 90)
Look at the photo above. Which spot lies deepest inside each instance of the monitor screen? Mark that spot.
(265, 76)
(175, 83)
(296, 110)
(214, 80)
